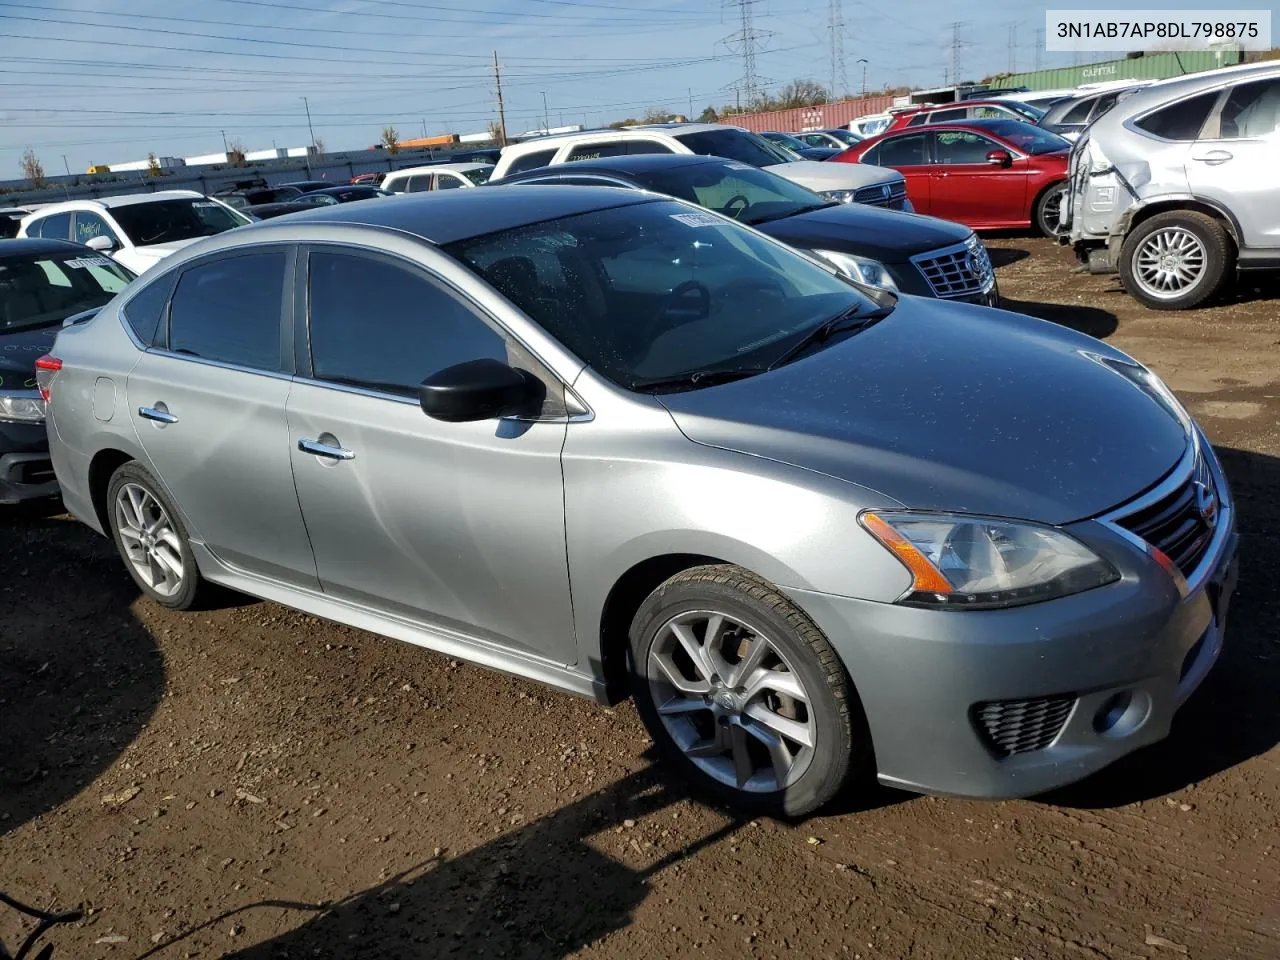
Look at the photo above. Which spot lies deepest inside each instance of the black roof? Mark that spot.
(37, 247)
(306, 186)
(452, 215)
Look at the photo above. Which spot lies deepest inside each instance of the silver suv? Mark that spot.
(1174, 187)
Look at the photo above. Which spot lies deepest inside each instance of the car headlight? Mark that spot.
(21, 408)
(966, 563)
(840, 196)
(861, 269)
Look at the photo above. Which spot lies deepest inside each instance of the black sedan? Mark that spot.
(348, 193)
(903, 252)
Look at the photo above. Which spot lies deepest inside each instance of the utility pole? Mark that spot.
(863, 61)
(835, 26)
(691, 103)
(225, 148)
(1013, 48)
(546, 120)
(313, 136)
(424, 128)
(502, 117)
(66, 166)
(1039, 47)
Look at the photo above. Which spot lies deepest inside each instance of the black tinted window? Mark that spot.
(145, 312)
(960, 146)
(56, 227)
(735, 145)
(229, 310)
(942, 116)
(1252, 110)
(902, 151)
(1103, 104)
(378, 325)
(1080, 112)
(636, 147)
(596, 151)
(1181, 120)
(531, 161)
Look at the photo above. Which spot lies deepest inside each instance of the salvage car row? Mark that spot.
(863, 534)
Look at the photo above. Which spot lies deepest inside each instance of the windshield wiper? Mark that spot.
(850, 319)
(696, 378)
(807, 208)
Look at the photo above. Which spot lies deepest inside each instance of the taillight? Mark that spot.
(47, 368)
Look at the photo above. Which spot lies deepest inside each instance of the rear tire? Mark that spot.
(151, 539)
(743, 695)
(1176, 260)
(1045, 215)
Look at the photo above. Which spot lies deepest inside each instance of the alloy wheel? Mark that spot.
(151, 545)
(1052, 211)
(1169, 262)
(731, 702)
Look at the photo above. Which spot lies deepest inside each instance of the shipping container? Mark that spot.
(301, 151)
(821, 117)
(1153, 66)
(99, 168)
(275, 153)
(485, 137)
(440, 140)
(206, 159)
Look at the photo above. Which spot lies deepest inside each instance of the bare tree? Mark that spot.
(236, 154)
(656, 115)
(496, 133)
(32, 169)
(801, 93)
(319, 145)
(391, 140)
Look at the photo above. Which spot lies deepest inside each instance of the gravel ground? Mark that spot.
(253, 782)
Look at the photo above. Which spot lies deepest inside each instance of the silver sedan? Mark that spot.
(625, 446)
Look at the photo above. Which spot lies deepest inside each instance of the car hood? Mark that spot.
(952, 407)
(825, 175)
(19, 350)
(157, 251)
(887, 235)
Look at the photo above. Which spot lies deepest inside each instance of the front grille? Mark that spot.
(1021, 726)
(891, 195)
(1181, 523)
(959, 271)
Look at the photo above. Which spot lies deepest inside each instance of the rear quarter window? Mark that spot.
(531, 161)
(144, 312)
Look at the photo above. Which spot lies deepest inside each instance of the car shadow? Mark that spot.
(1088, 320)
(544, 890)
(79, 675)
(1005, 256)
(1235, 715)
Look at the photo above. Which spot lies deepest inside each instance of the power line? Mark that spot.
(469, 18)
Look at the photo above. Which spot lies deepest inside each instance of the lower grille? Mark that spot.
(958, 271)
(891, 195)
(1181, 523)
(1021, 726)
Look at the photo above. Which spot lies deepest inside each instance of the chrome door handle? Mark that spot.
(319, 449)
(1214, 157)
(159, 416)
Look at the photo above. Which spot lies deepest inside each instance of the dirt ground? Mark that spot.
(256, 783)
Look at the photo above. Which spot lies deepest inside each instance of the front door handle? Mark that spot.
(1214, 157)
(159, 416)
(329, 451)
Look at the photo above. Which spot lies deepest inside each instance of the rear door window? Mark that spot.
(90, 225)
(942, 116)
(531, 161)
(229, 310)
(597, 151)
(54, 227)
(908, 151)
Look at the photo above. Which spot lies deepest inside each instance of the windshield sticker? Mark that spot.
(697, 219)
(82, 263)
(204, 204)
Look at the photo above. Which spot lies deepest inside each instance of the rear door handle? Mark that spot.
(1214, 157)
(316, 448)
(159, 416)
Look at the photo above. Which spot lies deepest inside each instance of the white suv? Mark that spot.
(856, 182)
(137, 230)
(437, 176)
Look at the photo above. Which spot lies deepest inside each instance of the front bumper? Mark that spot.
(924, 675)
(26, 472)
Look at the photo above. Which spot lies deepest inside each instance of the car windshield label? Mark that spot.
(204, 204)
(82, 263)
(697, 219)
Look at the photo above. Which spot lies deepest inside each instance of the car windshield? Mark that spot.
(736, 190)
(660, 290)
(168, 221)
(736, 145)
(45, 289)
(1025, 137)
(786, 140)
(479, 175)
(844, 136)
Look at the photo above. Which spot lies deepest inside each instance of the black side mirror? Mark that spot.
(1000, 158)
(479, 390)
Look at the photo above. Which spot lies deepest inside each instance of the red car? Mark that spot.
(987, 174)
(962, 112)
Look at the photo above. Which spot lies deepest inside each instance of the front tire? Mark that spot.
(151, 539)
(1176, 260)
(744, 695)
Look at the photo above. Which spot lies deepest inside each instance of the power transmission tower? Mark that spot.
(502, 116)
(835, 26)
(1039, 48)
(955, 51)
(746, 41)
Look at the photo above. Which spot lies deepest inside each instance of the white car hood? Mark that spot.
(138, 259)
(824, 175)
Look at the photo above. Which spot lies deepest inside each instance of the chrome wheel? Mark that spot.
(1051, 211)
(1169, 262)
(731, 702)
(151, 545)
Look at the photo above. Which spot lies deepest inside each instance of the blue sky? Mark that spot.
(105, 81)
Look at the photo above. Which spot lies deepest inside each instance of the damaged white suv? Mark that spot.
(1175, 188)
